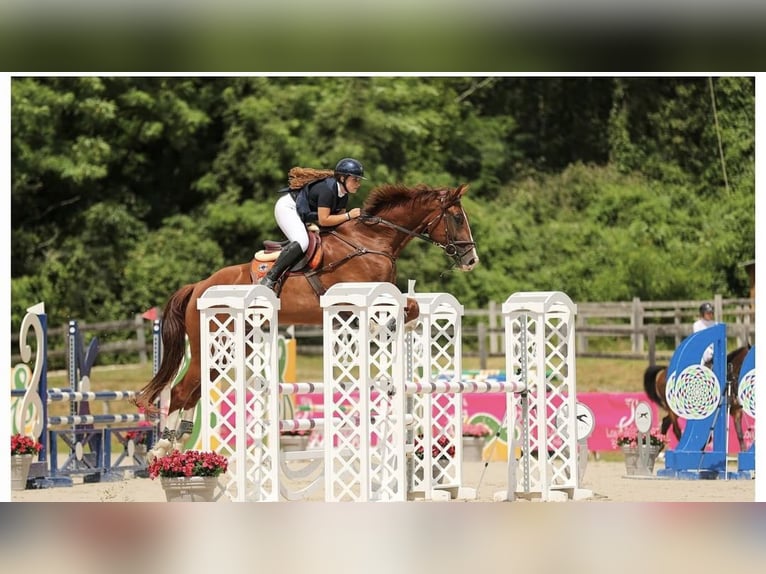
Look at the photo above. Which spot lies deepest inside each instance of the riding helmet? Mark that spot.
(706, 308)
(349, 166)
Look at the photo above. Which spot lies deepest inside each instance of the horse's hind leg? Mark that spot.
(665, 425)
(737, 416)
(670, 420)
(183, 397)
(676, 426)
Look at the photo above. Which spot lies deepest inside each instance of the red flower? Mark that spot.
(189, 463)
(138, 437)
(443, 447)
(21, 444)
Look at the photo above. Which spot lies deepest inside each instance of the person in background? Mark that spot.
(705, 320)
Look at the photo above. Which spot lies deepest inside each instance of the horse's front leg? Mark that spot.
(411, 313)
(175, 434)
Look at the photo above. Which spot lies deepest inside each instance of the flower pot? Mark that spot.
(189, 489)
(633, 463)
(20, 464)
(473, 448)
(294, 442)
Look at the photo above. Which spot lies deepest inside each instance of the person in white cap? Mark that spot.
(705, 320)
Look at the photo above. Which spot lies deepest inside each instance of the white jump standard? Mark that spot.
(387, 389)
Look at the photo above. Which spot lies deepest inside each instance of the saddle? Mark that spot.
(264, 259)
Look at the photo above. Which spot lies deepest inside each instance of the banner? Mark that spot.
(612, 411)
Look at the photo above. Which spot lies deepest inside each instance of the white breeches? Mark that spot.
(290, 222)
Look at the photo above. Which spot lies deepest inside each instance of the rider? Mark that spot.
(705, 320)
(323, 202)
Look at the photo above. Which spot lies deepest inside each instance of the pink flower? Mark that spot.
(629, 437)
(189, 463)
(479, 429)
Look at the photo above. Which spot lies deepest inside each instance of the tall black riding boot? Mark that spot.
(289, 257)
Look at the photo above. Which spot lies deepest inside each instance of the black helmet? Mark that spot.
(349, 166)
(706, 308)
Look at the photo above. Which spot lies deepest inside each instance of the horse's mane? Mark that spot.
(736, 352)
(390, 196)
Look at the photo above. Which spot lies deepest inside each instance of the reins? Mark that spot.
(451, 248)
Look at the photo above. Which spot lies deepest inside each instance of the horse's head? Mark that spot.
(435, 215)
(451, 230)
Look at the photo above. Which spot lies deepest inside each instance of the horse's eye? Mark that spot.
(458, 217)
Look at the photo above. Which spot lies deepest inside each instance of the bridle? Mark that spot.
(453, 248)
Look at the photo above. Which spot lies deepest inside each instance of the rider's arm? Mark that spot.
(325, 219)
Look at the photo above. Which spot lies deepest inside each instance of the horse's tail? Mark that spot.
(173, 346)
(650, 384)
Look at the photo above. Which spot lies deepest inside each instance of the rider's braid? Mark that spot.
(297, 177)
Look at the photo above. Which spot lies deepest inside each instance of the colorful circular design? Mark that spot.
(746, 393)
(695, 393)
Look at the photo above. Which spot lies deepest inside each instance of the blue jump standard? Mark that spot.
(708, 465)
(690, 460)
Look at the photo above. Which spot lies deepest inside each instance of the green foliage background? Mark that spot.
(125, 188)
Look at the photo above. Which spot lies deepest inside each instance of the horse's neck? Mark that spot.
(384, 237)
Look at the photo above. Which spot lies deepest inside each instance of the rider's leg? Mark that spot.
(295, 230)
(289, 256)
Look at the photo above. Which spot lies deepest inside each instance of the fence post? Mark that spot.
(141, 337)
(636, 322)
(493, 338)
(481, 331)
(582, 338)
(651, 334)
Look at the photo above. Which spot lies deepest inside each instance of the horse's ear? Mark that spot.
(462, 188)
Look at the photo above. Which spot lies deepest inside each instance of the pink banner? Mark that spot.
(611, 411)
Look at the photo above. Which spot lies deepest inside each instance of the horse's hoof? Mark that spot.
(160, 449)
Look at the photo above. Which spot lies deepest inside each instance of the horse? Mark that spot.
(655, 381)
(364, 249)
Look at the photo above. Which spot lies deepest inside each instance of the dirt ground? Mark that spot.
(606, 480)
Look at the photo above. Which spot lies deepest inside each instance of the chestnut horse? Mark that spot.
(360, 250)
(655, 380)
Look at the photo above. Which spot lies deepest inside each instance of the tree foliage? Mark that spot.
(125, 188)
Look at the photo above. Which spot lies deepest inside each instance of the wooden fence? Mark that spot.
(640, 330)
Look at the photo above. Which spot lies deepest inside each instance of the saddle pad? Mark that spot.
(264, 255)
